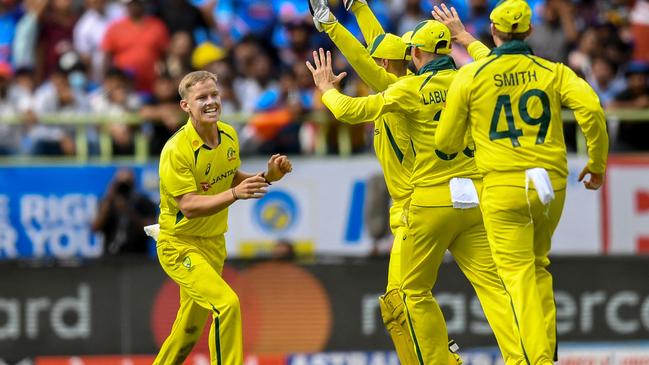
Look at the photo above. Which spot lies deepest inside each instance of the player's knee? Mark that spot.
(416, 293)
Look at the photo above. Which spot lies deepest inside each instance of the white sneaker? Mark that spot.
(348, 3)
(321, 14)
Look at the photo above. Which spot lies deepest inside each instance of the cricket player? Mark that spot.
(199, 180)
(435, 221)
(511, 103)
(379, 65)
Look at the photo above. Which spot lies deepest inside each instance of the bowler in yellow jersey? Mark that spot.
(511, 102)
(199, 180)
(433, 224)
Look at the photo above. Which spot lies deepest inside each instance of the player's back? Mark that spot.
(422, 104)
(515, 111)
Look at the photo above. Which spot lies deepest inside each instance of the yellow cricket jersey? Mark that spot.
(187, 165)
(416, 103)
(512, 101)
(391, 142)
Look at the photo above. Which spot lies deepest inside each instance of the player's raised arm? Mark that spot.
(453, 124)
(450, 18)
(359, 57)
(577, 95)
(367, 22)
(345, 108)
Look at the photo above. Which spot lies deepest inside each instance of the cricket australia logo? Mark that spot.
(232, 154)
(205, 186)
(187, 262)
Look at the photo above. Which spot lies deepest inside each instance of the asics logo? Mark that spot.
(518, 16)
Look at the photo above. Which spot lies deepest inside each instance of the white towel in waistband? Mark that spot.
(463, 193)
(542, 184)
(152, 230)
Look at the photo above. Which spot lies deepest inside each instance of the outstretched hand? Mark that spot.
(596, 180)
(451, 19)
(278, 166)
(323, 74)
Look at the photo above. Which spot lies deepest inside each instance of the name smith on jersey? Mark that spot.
(514, 78)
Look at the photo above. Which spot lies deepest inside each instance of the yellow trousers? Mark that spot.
(196, 265)
(520, 229)
(431, 231)
(398, 214)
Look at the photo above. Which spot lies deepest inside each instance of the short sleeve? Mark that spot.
(176, 173)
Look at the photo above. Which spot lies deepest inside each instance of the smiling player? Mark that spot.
(199, 180)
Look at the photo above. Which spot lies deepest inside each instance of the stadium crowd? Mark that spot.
(79, 60)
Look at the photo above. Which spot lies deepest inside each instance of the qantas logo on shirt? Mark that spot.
(206, 185)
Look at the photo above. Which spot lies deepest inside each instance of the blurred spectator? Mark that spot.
(89, 33)
(552, 37)
(298, 46)
(10, 14)
(25, 39)
(182, 16)
(136, 43)
(640, 30)
(255, 76)
(9, 134)
(377, 215)
(163, 112)
(605, 80)
(122, 213)
(412, 15)
(177, 62)
(633, 135)
(238, 18)
(55, 31)
(283, 250)
(115, 99)
(611, 44)
(55, 99)
(274, 128)
(580, 59)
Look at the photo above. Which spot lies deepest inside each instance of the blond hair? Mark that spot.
(192, 79)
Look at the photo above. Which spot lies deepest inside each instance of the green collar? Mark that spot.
(438, 64)
(512, 47)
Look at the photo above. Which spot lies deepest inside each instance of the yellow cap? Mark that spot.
(432, 36)
(205, 54)
(407, 36)
(406, 39)
(511, 16)
(388, 46)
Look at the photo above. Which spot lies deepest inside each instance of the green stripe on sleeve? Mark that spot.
(393, 143)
